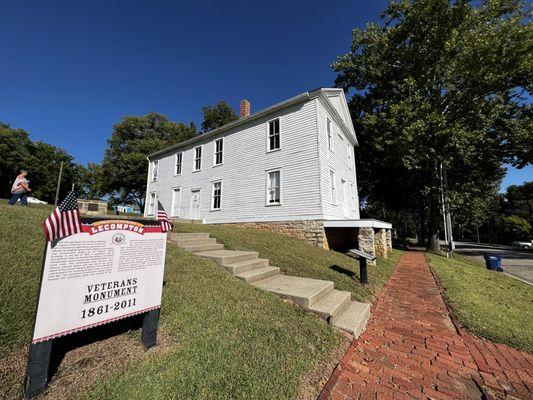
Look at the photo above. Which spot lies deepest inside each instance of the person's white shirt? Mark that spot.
(17, 185)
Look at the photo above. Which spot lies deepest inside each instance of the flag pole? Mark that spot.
(58, 183)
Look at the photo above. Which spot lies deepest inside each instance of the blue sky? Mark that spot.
(71, 69)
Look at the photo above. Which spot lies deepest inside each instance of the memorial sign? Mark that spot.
(110, 270)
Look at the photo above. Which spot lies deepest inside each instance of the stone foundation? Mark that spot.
(377, 242)
(365, 238)
(380, 243)
(310, 231)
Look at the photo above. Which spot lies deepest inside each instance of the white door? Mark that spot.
(195, 204)
(176, 198)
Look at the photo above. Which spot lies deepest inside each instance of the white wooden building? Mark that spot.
(287, 165)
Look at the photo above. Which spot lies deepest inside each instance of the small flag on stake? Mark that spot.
(166, 223)
(64, 221)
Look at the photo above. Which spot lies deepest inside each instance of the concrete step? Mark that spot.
(332, 305)
(303, 291)
(183, 235)
(193, 242)
(226, 257)
(243, 266)
(203, 247)
(258, 274)
(353, 320)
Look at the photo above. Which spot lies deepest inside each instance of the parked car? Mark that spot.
(35, 200)
(524, 245)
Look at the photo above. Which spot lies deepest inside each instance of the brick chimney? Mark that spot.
(245, 108)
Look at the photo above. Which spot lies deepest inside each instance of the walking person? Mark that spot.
(20, 189)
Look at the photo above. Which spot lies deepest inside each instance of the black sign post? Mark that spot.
(149, 331)
(36, 378)
(362, 257)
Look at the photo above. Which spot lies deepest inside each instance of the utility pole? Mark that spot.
(58, 182)
(451, 244)
(444, 221)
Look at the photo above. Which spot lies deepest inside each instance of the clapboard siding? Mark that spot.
(243, 173)
(337, 161)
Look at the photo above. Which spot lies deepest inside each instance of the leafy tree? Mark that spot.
(519, 201)
(44, 171)
(516, 228)
(91, 183)
(15, 151)
(217, 115)
(124, 168)
(42, 161)
(439, 83)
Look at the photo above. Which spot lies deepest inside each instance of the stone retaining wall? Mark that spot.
(310, 231)
(377, 242)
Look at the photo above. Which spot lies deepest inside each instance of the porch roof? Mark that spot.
(357, 223)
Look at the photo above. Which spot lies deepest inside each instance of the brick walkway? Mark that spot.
(411, 350)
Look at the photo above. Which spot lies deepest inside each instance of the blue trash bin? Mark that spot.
(493, 262)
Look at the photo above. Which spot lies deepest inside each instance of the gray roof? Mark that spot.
(241, 121)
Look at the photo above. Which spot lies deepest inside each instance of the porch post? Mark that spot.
(380, 239)
(389, 240)
(365, 239)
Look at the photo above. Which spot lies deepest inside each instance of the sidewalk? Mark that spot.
(412, 350)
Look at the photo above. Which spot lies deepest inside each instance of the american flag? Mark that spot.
(166, 223)
(65, 220)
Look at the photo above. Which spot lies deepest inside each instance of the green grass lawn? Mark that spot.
(487, 303)
(295, 257)
(228, 338)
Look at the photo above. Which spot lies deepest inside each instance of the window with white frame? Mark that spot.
(155, 170)
(349, 154)
(217, 195)
(330, 137)
(219, 146)
(274, 135)
(344, 198)
(274, 187)
(151, 203)
(179, 159)
(198, 158)
(333, 187)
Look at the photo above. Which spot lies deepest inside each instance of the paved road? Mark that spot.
(518, 263)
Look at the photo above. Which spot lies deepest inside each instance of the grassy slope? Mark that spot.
(295, 257)
(488, 304)
(227, 335)
(21, 251)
